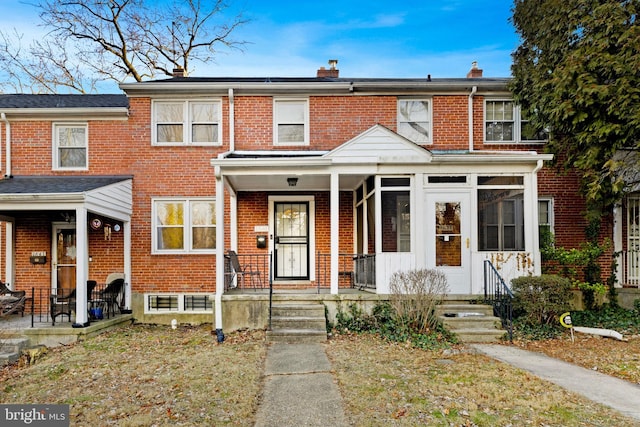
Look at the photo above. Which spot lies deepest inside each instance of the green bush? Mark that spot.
(539, 300)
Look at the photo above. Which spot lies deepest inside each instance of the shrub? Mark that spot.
(414, 297)
(541, 299)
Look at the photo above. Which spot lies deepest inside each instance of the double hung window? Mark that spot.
(70, 143)
(414, 120)
(184, 226)
(501, 213)
(505, 123)
(187, 122)
(291, 122)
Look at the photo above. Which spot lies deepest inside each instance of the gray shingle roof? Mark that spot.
(62, 101)
(56, 184)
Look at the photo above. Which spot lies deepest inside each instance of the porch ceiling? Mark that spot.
(278, 182)
(110, 196)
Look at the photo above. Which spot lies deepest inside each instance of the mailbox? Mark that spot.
(261, 241)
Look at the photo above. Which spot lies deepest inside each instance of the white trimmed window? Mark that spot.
(545, 219)
(184, 226)
(187, 123)
(291, 122)
(501, 213)
(504, 123)
(70, 143)
(414, 120)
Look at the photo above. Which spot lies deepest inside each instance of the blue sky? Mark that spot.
(369, 38)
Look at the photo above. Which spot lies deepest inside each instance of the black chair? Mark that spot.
(11, 301)
(62, 302)
(247, 270)
(112, 296)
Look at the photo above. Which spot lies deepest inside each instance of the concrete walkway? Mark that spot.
(299, 388)
(615, 393)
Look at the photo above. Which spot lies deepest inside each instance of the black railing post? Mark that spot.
(270, 287)
(498, 294)
(33, 303)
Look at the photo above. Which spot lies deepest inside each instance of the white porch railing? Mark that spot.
(630, 268)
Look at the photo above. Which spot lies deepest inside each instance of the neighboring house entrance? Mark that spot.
(291, 240)
(64, 256)
(448, 228)
(633, 241)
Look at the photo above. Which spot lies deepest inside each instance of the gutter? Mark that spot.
(473, 92)
(232, 114)
(7, 140)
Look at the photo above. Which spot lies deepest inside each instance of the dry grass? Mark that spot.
(394, 384)
(153, 376)
(143, 376)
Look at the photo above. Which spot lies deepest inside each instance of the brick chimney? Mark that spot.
(331, 72)
(178, 72)
(474, 72)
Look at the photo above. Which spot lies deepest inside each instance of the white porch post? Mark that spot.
(335, 230)
(9, 253)
(126, 229)
(617, 244)
(219, 249)
(82, 268)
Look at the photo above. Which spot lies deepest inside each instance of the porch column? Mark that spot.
(334, 208)
(82, 268)
(126, 229)
(9, 253)
(219, 249)
(617, 244)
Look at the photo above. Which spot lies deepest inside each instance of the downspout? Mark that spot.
(473, 92)
(7, 141)
(232, 114)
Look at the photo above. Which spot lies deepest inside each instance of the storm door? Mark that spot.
(64, 257)
(291, 239)
(448, 224)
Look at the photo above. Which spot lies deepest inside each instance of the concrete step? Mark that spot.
(298, 323)
(11, 349)
(297, 335)
(471, 322)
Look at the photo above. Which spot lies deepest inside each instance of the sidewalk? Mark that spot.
(299, 388)
(615, 393)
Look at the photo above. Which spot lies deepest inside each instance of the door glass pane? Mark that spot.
(448, 234)
(66, 257)
(291, 240)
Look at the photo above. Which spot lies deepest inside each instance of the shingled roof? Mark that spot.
(63, 101)
(56, 184)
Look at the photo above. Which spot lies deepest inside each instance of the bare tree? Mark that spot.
(88, 41)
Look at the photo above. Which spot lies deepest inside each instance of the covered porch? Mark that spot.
(63, 233)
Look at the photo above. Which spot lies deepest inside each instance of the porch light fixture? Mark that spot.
(293, 181)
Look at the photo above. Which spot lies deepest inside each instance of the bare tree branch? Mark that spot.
(93, 40)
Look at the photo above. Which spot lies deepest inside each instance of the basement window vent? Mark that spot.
(175, 303)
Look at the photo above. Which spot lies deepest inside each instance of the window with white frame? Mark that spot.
(187, 122)
(414, 120)
(184, 225)
(291, 122)
(504, 123)
(501, 213)
(70, 146)
(545, 221)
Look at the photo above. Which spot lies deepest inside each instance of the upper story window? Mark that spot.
(504, 123)
(70, 142)
(291, 122)
(187, 122)
(414, 120)
(184, 226)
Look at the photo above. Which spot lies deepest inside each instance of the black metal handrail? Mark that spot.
(498, 294)
(270, 287)
(356, 270)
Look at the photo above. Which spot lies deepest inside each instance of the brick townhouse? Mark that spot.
(318, 182)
